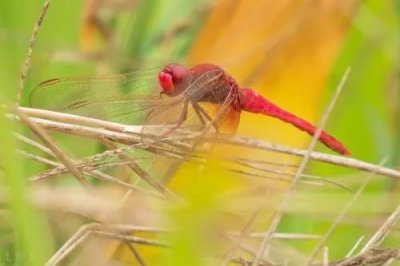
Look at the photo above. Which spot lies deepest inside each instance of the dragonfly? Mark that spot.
(183, 96)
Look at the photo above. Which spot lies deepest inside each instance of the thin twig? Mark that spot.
(289, 236)
(290, 174)
(317, 156)
(354, 247)
(371, 257)
(231, 140)
(262, 162)
(134, 166)
(86, 162)
(130, 187)
(278, 216)
(341, 216)
(389, 262)
(38, 158)
(105, 230)
(70, 118)
(245, 230)
(72, 243)
(26, 65)
(90, 171)
(133, 239)
(383, 231)
(247, 249)
(238, 241)
(54, 148)
(34, 144)
(136, 253)
(325, 256)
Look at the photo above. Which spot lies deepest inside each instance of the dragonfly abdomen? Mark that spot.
(251, 101)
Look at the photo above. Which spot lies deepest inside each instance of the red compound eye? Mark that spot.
(166, 83)
(171, 79)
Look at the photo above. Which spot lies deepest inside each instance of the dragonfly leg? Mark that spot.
(179, 122)
(201, 113)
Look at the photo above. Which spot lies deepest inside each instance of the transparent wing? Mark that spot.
(212, 85)
(130, 97)
(121, 98)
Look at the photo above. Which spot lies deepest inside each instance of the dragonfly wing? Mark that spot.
(208, 85)
(120, 98)
(169, 115)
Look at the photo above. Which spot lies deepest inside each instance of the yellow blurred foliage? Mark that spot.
(282, 49)
(285, 50)
(92, 33)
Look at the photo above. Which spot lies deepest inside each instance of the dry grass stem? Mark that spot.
(341, 215)
(316, 156)
(325, 256)
(280, 173)
(371, 257)
(70, 118)
(129, 238)
(134, 166)
(279, 214)
(27, 62)
(354, 247)
(42, 134)
(246, 249)
(129, 139)
(277, 235)
(383, 231)
(116, 231)
(242, 235)
(37, 158)
(34, 144)
(135, 253)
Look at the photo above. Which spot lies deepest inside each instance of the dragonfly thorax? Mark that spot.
(201, 83)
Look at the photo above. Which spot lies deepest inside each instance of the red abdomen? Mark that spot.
(251, 101)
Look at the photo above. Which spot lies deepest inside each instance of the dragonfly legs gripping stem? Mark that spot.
(202, 114)
(179, 122)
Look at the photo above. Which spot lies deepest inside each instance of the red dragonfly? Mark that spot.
(188, 89)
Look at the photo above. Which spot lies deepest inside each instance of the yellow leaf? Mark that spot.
(285, 50)
(282, 49)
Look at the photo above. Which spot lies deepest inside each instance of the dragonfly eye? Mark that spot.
(173, 78)
(166, 83)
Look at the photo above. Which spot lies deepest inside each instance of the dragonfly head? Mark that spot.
(173, 79)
